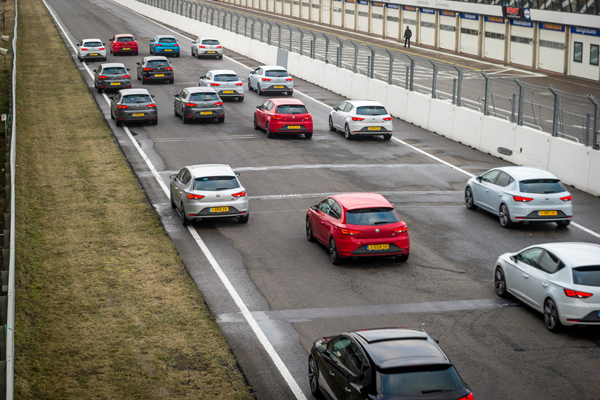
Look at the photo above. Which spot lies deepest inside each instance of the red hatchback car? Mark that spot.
(283, 116)
(123, 44)
(358, 225)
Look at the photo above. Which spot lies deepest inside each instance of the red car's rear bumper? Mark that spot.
(291, 127)
(349, 246)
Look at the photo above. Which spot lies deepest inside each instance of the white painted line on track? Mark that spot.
(323, 195)
(293, 385)
(332, 166)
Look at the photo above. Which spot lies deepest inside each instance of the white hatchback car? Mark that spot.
(207, 47)
(225, 82)
(520, 194)
(560, 280)
(208, 191)
(90, 49)
(272, 79)
(361, 118)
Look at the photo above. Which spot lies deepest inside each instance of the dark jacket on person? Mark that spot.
(407, 33)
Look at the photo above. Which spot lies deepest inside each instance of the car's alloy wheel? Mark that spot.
(313, 377)
(333, 253)
(331, 127)
(469, 201)
(500, 282)
(309, 232)
(504, 217)
(184, 220)
(551, 319)
(171, 200)
(347, 133)
(258, 90)
(256, 124)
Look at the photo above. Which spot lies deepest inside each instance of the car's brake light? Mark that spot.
(266, 79)
(123, 106)
(239, 194)
(350, 232)
(126, 76)
(151, 106)
(276, 117)
(102, 77)
(169, 69)
(522, 199)
(239, 84)
(307, 118)
(158, 45)
(176, 45)
(202, 47)
(401, 229)
(215, 84)
(102, 48)
(147, 69)
(357, 119)
(575, 293)
(567, 198)
(190, 104)
(219, 47)
(289, 79)
(467, 397)
(194, 196)
(218, 103)
(387, 118)
(83, 48)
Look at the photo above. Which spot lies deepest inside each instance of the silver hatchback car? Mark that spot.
(520, 194)
(111, 76)
(207, 47)
(133, 105)
(225, 82)
(91, 49)
(208, 191)
(198, 103)
(272, 79)
(361, 118)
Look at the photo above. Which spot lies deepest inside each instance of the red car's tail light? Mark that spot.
(276, 117)
(239, 84)
(169, 69)
(195, 196)
(401, 229)
(151, 106)
(522, 199)
(201, 47)
(123, 106)
(83, 48)
(567, 198)
(102, 77)
(190, 104)
(219, 47)
(575, 293)
(219, 103)
(215, 84)
(239, 194)
(266, 79)
(357, 119)
(126, 76)
(289, 79)
(467, 397)
(350, 232)
(102, 48)
(147, 69)
(307, 118)
(387, 118)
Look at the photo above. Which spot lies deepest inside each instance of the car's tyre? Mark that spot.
(221, 119)
(334, 256)
(100, 90)
(268, 132)
(104, 59)
(402, 257)
(171, 200)
(177, 55)
(551, 319)
(309, 232)
(118, 122)
(143, 81)
(260, 93)
(249, 86)
(138, 77)
(469, 200)
(504, 217)
(192, 52)
(151, 51)
(290, 93)
(219, 57)
(500, 283)
(256, 124)
(308, 135)
(184, 220)
(387, 136)
(154, 121)
(347, 133)
(331, 127)
(171, 80)
(563, 224)
(185, 120)
(241, 98)
(175, 112)
(313, 378)
(135, 54)
(111, 115)
(244, 219)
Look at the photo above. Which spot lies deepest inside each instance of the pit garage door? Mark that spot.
(377, 18)
(315, 7)
(296, 8)
(271, 5)
(447, 30)
(305, 9)
(392, 21)
(326, 11)
(409, 18)
(552, 47)
(363, 16)
(427, 26)
(279, 6)
(469, 33)
(493, 42)
(287, 7)
(521, 42)
(337, 13)
(256, 4)
(349, 14)
(584, 53)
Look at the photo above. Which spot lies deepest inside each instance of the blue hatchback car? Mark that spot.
(164, 45)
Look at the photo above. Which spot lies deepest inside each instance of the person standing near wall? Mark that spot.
(407, 36)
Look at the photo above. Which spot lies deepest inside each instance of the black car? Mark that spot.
(383, 364)
(156, 68)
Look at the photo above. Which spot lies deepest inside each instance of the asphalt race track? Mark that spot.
(294, 293)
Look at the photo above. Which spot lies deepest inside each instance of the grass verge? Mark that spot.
(105, 308)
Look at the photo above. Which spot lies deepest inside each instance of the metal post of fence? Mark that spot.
(513, 108)
(459, 86)
(340, 50)
(269, 32)
(278, 34)
(326, 48)
(412, 73)
(372, 63)
(245, 25)
(521, 101)
(434, 80)
(313, 45)
(454, 81)
(368, 72)
(391, 70)
(301, 41)
(588, 122)
(486, 95)
(252, 28)
(556, 113)
(261, 29)
(291, 36)
(212, 16)
(407, 77)
(237, 23)
(596, 122)
(355, 67)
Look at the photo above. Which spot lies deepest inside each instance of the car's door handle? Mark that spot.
(322, 222)
(525, 276)
(500, 194)
(331, 373)
(347, 389)
(544, 284)
(487, 190)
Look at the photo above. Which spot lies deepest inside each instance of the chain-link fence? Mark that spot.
(561, 114)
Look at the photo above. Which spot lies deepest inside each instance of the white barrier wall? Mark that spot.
(572, 162)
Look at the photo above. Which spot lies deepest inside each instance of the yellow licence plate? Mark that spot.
(211, 52)
(94, 54)
(378, 247)
(126, 48)
(228, 91)
(294, 126)
(540, 213)
(205, 112)
(159, 74)
(219, 209)
(137, 115)
(168, 50)
(374, 128)
(115, 83)
(278, 87)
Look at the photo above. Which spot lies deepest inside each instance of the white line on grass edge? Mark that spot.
(213, 262)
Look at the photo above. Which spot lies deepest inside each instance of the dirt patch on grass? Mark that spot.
(105, 308)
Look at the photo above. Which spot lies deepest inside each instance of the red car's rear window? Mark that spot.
(292, 109)
(125, 39)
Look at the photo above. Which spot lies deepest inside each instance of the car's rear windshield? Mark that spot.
(92, 44)
(167, 40)
(114, 70)
(587, 276)
(291, 109)
(371, 110)
(419, 381)
(541, 186)
(372, 216)
(210, 42)
(277, 73)
(136, 98)
(158, 63)
(204, 97)
(226, 78)
(215, 183)
(125, 39)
